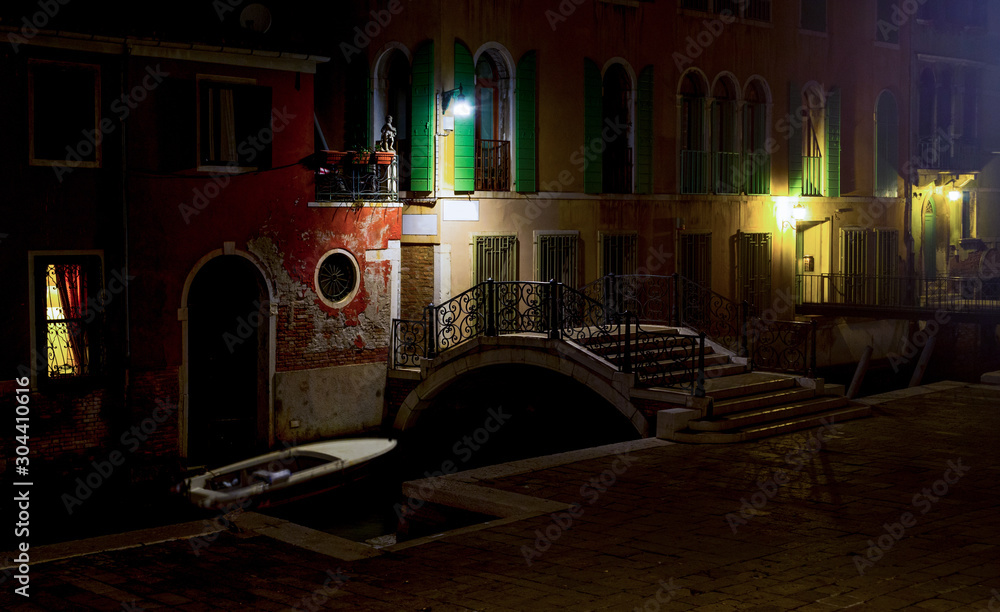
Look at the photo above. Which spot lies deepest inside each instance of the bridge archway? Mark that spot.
(551, 355)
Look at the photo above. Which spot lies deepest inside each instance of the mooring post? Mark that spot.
(859, 374)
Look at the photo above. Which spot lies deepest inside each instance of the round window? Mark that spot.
(337, 277)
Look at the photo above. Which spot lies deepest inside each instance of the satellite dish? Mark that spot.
(256, 18)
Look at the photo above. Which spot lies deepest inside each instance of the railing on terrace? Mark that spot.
(694, 171)
(492, 165)
(961, 294)
(617, 313)
(812, 176)
(725, 173)
(353, 177)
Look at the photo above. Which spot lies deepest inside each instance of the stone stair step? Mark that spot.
(760, 400)
(765, 430)
(747, 383)
(768, 414)
(717, 371)
(610, 343)
(667, 365)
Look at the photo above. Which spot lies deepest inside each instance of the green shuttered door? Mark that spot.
(422, 127)
(526, 124)
(593, 101)
(465, 127)
(644, 133)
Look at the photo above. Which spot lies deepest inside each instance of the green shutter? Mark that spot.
(795, 140)
(422, 119)
(833, 144)
(465, 127)
(593, 116)
(527, 124)
(644, 132)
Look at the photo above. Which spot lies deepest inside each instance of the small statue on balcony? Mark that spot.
(388, 142)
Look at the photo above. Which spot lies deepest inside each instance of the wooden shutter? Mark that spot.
(527, 156)
(833, 144)
(795, 141)
(422, 120)
(644, 133)
(465, 127)
(593, 103)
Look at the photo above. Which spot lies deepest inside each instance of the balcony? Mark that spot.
(694, 171)
(350, 176)
(812, 176)
(943, 153)
(617, 170)
(882, 296)
(492, 165)
(725, 173)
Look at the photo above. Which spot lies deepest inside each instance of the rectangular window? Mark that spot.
(814, 15)
(556, 257)
(886, 30)
(494, 256)
(64, 114)
(619, 253)
(234, 124)
(69, 303)
(753, 270)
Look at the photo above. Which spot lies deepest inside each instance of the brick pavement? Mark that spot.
(666, 533)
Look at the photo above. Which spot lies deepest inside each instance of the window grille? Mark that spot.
(494, 256)
(618, 254)
(556, 258)
(70, 303)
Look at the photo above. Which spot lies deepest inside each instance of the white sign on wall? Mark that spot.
(420, 225)
(460, 210)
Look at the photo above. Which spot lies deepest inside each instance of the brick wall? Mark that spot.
(417, 286)
(396, 390)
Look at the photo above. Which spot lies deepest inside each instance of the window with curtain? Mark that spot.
(234, 124)
(70, 305)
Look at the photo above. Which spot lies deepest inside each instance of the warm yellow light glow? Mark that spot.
(954, 196)
(61, 359)
(787, 211)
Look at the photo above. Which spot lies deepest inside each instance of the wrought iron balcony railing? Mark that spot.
(352, 177)
(947, 294)
(725, 173)
(492, 165)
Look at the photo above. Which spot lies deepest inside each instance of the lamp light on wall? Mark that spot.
(462, 106)
(954, 196)
(788, 211)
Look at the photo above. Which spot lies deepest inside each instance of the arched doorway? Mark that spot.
(228, 362)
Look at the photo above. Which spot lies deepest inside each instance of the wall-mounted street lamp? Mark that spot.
(788, 211)
(954, 196)
(462, 106)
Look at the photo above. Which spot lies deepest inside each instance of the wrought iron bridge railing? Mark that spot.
(353, 178)
(618, 315)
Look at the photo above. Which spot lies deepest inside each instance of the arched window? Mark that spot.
(886, 146)
(725, 138)
(694, 158)
(392, 98)
(493, 98)
(616, 111)
(756, 163)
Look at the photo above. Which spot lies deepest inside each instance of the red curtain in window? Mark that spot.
(72, 286)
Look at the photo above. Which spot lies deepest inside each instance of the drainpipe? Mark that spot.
(126, 389)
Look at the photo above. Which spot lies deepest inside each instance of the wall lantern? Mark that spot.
(462, 106)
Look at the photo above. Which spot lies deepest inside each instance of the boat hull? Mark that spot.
(288, 475)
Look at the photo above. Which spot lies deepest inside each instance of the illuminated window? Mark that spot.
(70, 304)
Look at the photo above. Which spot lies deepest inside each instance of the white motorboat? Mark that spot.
(285, 475)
